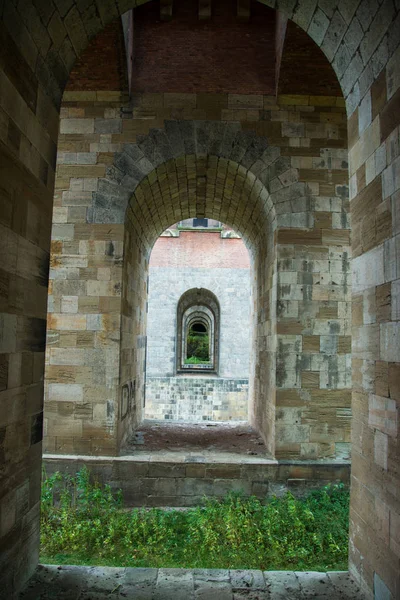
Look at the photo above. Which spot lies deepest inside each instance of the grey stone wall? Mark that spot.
(223, 397)
(196, 398)
(233, 290)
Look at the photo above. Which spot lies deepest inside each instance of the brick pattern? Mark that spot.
(361, 40)
(306, 173)
(302, 55)
(107, 48)
(205, 45)
(174, 288)
(192, 399)
(199, 250)
(374, 191)
(179, 481)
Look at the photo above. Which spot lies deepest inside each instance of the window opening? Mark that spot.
(197, 345)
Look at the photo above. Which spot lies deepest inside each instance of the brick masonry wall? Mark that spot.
(193, 249)
(205, 45)
(302, 296)
(183, 482)
(222, 266)
(28, 141)
(302, 55)
(107, 48)
(230, 285)
(360, 38)
(196, 398)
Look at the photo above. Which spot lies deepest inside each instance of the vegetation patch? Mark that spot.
(85, 523)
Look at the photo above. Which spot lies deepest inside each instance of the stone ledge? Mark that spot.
(177, 479)
(187, 584)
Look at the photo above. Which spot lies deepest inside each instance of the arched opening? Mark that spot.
(197, 331)
(199, 295)
(360, 42)
(198, 339)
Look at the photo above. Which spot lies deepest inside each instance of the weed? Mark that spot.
(83, 523)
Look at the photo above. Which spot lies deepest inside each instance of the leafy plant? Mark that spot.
(84, 523)
(197, 347)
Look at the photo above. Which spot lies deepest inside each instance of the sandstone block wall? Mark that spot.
(360, 38)
(301, 273)
(182, 482)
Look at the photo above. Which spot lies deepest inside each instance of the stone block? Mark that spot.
(65, 392)
(365, 113)
(381, 449)
(176, 100)
(282, 585)
(368, 270)
(247, 580)
(62, 232)
(213, 590)
(236, 101)
(381, 591)
(77, 126)
(108, 126)
(390, 342)
(334, 35)
(69, 304)
(69, 322)
(382, 415)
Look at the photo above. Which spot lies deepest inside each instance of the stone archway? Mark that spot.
(360, 40)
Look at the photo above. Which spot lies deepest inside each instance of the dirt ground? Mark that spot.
(237, 438)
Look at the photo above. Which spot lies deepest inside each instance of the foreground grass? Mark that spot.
(82, 523)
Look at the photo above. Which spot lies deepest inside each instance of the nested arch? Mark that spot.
(326, 24)
(187, 187)
(186, 160)
(197, 306)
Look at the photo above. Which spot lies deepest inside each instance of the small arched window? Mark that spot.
(197, 331)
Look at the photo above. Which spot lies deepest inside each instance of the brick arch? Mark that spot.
(360, 38)
(185, 187)
(208, 155)
(205, 300)
(57, 50)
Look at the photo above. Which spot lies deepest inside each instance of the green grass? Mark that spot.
(194, 360)
(83, 523)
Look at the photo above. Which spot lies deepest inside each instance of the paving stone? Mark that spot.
(314, 585)
(104, 579)
(97, 595)
(212, 590)
(217, 575)
(282, 585)
(174, 584)
(101, 583)
(247, 580)
(140, 575)
(344, 585)
(251, 595)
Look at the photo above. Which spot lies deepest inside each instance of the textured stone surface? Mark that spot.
(309, 204)
(196, 399)
(32, 79)
(184, 476)
(81, 583)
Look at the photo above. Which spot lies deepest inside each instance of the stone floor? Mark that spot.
(204, 437)
(101, 583)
